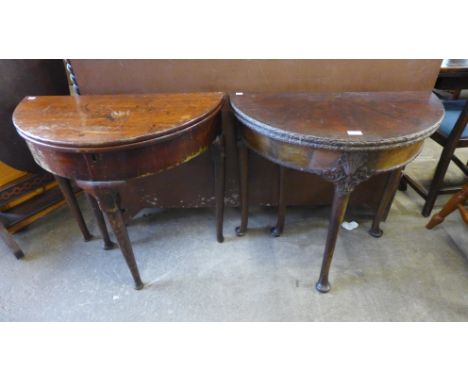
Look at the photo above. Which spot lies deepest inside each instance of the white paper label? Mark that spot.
(239, 93)
(354, 132)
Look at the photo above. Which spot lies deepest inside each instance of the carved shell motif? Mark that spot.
(350, 170)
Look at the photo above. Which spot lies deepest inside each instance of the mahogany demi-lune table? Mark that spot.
(105, 142)
(343, 137)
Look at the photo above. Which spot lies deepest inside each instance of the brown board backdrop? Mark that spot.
(191, 185)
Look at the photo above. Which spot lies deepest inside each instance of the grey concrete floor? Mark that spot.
(410, 274)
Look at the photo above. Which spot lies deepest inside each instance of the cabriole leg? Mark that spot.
(340, 203)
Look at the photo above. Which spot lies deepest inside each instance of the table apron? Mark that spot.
(126, 163)
(313, 160)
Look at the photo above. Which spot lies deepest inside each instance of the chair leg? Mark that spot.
(10, 242)
(463, 213)
(458, 199)
(438, 179)
(445, 158)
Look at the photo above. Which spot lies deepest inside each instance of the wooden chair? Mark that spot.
(457, 201)
(452, 134)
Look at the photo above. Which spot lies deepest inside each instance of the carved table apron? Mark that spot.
(105, 142)
(343, 137)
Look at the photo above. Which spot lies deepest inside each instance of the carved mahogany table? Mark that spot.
(343, 137)
(106, 142)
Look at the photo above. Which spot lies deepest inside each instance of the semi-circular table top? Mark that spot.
(342, 121)
(111, 120)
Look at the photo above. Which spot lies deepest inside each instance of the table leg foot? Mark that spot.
(19, 255)
(139, 286)
(276, 231)
(323, 286)
(109, 246)
(376, 232)
(240, 231)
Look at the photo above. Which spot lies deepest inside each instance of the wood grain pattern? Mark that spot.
(257, 75)
(324, 120)
(96, 121)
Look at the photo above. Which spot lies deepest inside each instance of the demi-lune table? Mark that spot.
(105, 142)
(343, 137)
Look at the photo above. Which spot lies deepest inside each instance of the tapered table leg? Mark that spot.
(108, 244)
(70, 198)
(219, 169)
(10, 242)
(278, 229)
(340, 203)
(108, 201)
(391, 186)
(403, 186)
(244, 189)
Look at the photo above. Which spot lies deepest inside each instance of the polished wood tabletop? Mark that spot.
(347, 121)
(110, 143)
(343, 137)
(110, 120)
(110, 138)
